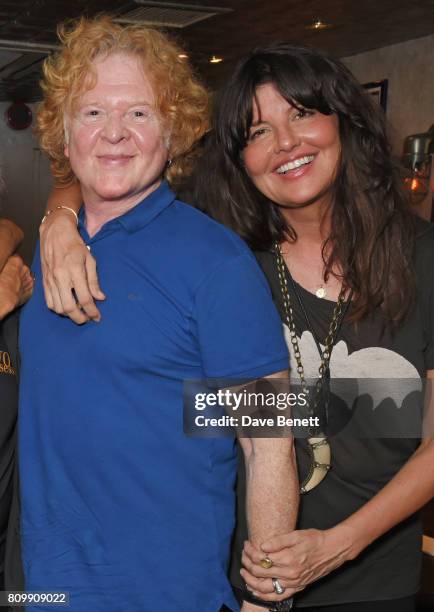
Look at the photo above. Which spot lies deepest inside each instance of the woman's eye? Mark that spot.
(303, 112)
(256, 133)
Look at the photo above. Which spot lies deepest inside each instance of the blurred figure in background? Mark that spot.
(16, 286)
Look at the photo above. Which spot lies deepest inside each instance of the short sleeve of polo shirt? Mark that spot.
(238, 328)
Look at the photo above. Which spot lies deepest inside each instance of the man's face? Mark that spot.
(115, 139)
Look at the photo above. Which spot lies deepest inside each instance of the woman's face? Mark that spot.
(291, 155)
(115, 139)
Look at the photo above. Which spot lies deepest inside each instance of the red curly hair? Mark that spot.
(181, 101)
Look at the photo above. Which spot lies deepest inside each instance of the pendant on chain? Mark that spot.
(321, 292)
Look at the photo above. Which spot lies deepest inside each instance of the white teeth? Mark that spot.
(295, 164)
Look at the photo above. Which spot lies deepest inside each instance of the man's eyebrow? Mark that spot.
(133, 103)
(142, 103)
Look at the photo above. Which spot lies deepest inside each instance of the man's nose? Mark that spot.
(114, 128)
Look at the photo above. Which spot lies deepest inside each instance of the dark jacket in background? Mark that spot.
(13, 573)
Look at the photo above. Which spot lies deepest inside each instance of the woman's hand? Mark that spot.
(67, 265)
(16, 285)
(299, 558)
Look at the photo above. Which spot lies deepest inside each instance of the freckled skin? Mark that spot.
(282, 133)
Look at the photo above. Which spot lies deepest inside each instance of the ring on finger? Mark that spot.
(266, 563)
(278, 588)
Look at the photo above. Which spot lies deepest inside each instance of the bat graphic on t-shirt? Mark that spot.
(379, 372)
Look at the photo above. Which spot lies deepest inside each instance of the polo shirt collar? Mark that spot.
(145, 211)
(142, 213)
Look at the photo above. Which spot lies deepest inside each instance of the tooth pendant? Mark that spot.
(321, 292)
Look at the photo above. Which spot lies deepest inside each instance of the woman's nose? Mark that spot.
(286, 138)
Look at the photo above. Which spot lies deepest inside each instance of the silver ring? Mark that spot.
(278, 588)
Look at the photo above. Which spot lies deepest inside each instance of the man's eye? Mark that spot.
(139, 114)
(91, 114)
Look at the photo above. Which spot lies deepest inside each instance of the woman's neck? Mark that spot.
(305, 257)
(311, 224)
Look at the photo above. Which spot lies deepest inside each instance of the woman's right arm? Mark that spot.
(66, 262)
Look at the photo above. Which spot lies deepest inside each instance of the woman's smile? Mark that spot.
(291, 153)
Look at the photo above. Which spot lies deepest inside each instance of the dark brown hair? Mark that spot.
(372, 232)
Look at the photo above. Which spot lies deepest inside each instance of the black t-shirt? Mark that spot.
(361, 466)
(8, 418)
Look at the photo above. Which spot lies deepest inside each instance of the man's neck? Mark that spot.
(98, 212)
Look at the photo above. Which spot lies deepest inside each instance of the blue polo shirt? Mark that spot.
(120, 508)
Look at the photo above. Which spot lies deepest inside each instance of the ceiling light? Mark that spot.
(215, 59)
(318, 24)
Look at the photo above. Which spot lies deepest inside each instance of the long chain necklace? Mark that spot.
(318, 444)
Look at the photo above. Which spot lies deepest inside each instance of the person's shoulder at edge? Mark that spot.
(424, 246)
(424, 232)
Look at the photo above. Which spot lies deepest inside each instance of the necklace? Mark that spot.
(321, 291)
(318, 444)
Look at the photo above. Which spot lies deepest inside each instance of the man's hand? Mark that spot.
(16, 285)
(68, 265)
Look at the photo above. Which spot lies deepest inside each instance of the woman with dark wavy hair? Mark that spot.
(299, 165)
(364, 201)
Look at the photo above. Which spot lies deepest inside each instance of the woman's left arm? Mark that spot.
(303, 556)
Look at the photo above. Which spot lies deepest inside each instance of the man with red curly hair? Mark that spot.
(120, 508)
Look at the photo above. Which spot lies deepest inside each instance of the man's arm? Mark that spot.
(10, 237)
(66, 262)
(272, 489)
